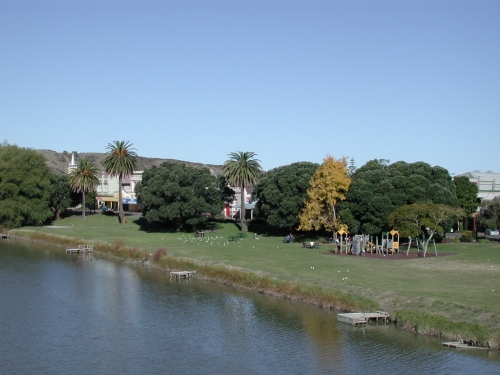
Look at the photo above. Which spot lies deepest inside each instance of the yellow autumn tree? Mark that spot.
(329, 185)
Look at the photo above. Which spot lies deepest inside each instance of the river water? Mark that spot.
(76, 314)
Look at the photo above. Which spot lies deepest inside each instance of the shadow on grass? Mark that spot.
(155, 227)
(261, 228)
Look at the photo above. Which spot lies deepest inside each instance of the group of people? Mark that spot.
(200, 233)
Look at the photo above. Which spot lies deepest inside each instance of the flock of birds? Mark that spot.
(213, 239)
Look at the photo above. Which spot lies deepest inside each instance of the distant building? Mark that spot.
(488, 183)
(232, 210)
(72, 164)
(108, 191)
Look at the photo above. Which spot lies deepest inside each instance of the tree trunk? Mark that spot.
(121, 214)
(335, 228)
(426, 244)
(83, 205)
(242, 210)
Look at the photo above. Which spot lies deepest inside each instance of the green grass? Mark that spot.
(461, 287)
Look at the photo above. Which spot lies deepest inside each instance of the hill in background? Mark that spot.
(58, 161)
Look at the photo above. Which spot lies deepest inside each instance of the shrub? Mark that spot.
(160, 253)
(438, 238)
(467, 236)
(117, 246)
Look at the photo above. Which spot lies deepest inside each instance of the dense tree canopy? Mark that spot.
(378, 188)
(120, 160)
(25, 187)
(329, 186)
(242, 170)
(178, 196)
(281, 193)
(466, 195)
(226, 193)
(62, 197)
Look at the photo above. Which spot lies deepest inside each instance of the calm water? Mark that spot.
(68, 314)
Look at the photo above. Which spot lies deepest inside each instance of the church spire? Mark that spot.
(72, 164)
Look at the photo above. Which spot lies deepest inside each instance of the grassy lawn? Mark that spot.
(464, 286)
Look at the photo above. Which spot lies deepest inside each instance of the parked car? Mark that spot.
(491, 232)
(106, 208)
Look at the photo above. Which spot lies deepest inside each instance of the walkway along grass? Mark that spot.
(411, 320)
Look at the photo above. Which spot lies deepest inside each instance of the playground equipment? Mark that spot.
(359, 244)
(342, 233)
(390, 242)
(370, 247)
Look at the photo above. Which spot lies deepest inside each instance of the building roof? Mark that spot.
(484, 176)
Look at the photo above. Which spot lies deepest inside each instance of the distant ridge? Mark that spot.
(58, 161)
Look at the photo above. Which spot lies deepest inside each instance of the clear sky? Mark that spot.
(289, 80)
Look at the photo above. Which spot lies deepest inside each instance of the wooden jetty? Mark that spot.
(460, 345)
(363, 318)
(182, 274)
(4, 235)
(81, 249)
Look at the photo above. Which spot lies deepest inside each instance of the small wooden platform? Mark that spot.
(182, 274)
(4, 236)
(460, 345)
(362, 318)
(81, 249)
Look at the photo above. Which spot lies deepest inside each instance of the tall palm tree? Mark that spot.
(241, 169)
(120, 160)
(84, 178)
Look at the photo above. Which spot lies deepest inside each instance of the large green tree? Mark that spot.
(120, 160)
(378, 188)
(62, 197)
(466, 197)
(25, 187)
(281, 193)
(83, 179)
(242, 170)
(466, 194)
(423, 220)
(329, 186)
(226, 193)
(178, 196)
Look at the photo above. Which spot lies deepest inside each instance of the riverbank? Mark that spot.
(427, 296)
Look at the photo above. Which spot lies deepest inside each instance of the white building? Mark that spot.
(108, 191)
(488, 183)
(72, 164)
(233, 208)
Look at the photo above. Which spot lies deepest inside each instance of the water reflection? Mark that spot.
(77, 314)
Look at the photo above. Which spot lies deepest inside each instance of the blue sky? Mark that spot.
(290, 80)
